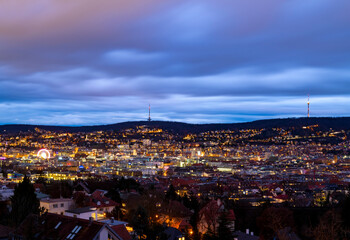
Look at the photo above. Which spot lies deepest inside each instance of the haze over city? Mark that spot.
(99, 62)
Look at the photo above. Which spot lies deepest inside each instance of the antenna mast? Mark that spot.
(149, 112)
(308, 105)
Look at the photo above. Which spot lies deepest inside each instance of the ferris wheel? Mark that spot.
(44, 154)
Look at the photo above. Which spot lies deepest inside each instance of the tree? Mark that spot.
(42, 180)
(274, 219)
(128, 184)
(209, 235)
(24, 202)
(345, 216)
(145, 228)
(4, 213)
(346, 211)
(4, 172)
(140, 222)
(117, 213)
(58, 189)
(79, 199)
(329, 227)
(224, 231)
(171, 193)
(156, 232)
(209, 216)
(195, 218)
(114, 195)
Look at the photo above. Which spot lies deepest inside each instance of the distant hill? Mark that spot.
(339, 123)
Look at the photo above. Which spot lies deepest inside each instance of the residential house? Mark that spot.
(54, 226)
(57, 205)
(119, 227)
(83, 213)
(102, 203)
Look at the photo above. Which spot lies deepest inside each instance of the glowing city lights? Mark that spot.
(44, 154)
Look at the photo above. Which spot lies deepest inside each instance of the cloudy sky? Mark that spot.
(87, 62)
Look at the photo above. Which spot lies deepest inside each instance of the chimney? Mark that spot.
(252, 233)
(247, 231)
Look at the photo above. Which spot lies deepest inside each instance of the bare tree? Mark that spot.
(329, 227)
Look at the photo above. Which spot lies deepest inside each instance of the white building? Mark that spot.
(57, 205)
(83, 213)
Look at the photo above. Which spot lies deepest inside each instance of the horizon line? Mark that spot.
(146, 121)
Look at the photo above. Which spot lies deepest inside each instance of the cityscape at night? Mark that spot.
(175, 120)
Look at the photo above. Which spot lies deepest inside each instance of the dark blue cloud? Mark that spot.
(89, 62)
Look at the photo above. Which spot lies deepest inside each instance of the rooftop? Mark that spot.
(55, 200)
(82, 210)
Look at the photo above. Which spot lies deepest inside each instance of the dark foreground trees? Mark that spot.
(24, 202)
(145, 228)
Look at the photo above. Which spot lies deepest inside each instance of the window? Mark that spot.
(58, 224)
(55, 206)
(62, 204)
(74, 232)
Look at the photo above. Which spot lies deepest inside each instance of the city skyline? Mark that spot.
(89, 63)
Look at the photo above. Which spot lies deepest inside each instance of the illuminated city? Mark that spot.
(175, 120)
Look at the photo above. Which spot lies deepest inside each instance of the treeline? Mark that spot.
(324, 123)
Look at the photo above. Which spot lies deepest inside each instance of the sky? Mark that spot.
(88, 62)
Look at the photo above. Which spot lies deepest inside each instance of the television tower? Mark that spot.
(149, 112)
(308, 105)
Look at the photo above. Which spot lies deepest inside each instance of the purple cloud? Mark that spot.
(88, 62)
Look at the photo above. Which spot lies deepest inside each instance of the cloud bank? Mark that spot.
(96, 62)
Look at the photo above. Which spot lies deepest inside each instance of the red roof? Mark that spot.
(316, 186)
(198, 164)
(55, 226)
(121, 231)
(182, 182)
(282, 197)
(99, 200)
(211, 210)
(231, 215)
(184, 225)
